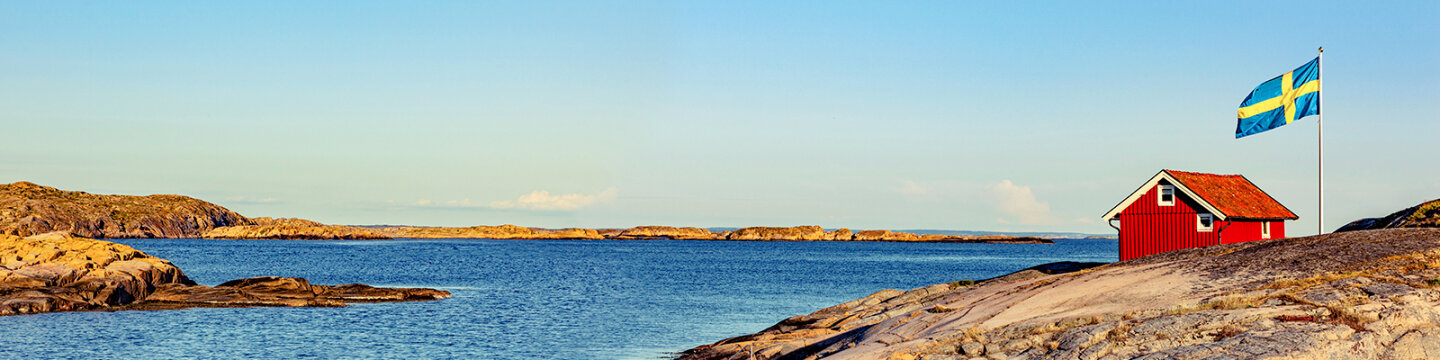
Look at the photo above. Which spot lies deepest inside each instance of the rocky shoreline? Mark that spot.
(29, 209)
(1354, 295)
(60, 272)
(759, 233)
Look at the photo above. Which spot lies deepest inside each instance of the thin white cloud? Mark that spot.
(251, 200)
(538, 200)
(912, 189)
(542, 200)
(1019, 203)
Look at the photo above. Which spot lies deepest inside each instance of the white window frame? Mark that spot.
(1200, 222)
(1264, 229)
(1160, 195)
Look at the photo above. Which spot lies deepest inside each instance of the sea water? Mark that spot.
(515, 299)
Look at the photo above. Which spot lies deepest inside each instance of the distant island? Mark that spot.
(29, 209)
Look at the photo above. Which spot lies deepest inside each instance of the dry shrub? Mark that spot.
(1228, 331)
(1120, 333)
(1232, 303)
(940, 309)
(1338, 315)
(1045, 329)
(1305, 283)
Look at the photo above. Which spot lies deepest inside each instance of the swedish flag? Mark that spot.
(1281, 100)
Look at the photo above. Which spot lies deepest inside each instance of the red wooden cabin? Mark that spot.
(1181, 210)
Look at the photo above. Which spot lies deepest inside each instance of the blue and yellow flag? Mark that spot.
(1281, 100)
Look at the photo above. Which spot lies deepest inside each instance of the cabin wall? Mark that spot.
(1243, 231)
(1148, 228)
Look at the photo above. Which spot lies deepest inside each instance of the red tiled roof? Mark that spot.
(1233, 195)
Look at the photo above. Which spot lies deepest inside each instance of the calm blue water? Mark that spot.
(516, 299)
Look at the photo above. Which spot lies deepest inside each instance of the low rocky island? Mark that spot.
(291, 229)
(29, 209)
(1361, 294)
(758, 233)
(61, 272)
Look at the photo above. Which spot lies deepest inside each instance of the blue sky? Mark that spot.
(1010, 116)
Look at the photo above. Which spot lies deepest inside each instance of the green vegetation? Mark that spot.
(961, 283)
(1424, 211)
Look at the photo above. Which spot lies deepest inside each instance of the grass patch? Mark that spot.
(1305, 283)
(961, 283)
(1230, 303)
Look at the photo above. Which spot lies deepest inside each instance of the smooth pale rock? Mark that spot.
(973, 349)
(1417, 344)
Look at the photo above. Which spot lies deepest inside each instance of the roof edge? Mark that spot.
(1165, 174)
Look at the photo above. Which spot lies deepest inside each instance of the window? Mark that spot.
(1166, 195)
(1204, 222)
(1265, 230)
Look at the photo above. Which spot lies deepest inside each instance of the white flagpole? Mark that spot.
(1320, 142)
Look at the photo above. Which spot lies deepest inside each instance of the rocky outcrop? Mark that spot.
(1353, 295)
(289, 228)
(1427, 214)
(60, 272)
(487, 232)
(279, 291)
(816, 233)
(666, 233)
(797, 233)
(884, 235)
(28, 209)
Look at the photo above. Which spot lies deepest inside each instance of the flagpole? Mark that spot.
(1320, 142)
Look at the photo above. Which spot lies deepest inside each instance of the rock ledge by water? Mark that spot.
(61, 272)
